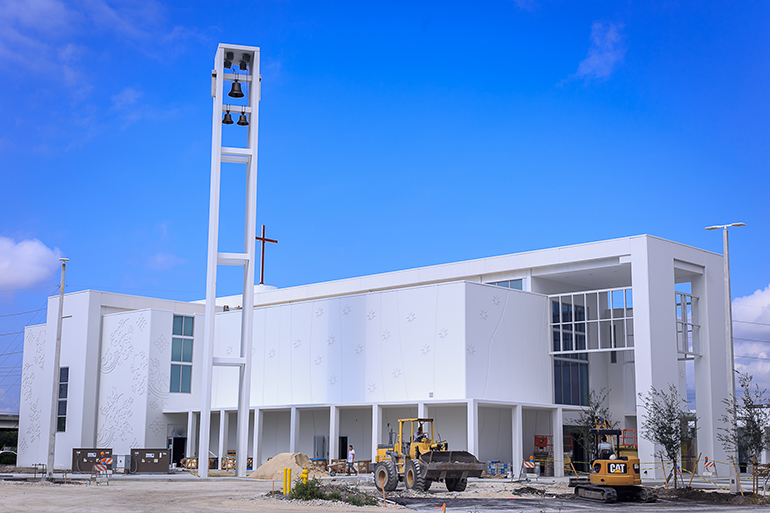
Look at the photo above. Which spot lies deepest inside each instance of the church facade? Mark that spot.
(498, 351)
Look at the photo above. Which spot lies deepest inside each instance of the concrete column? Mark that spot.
(711, 381)
(188, 450)
(376, 429)
(473, 434)
(422, 411)
(557, 420)
(518, 440)
(258, 421)
(293, 429)
(334, 429)
(223, 427)
(652, 276)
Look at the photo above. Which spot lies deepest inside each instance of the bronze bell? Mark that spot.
(228, 119)
(235, 90)
(243, 120)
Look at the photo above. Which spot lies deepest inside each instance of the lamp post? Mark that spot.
(728, 313)
(55, 395)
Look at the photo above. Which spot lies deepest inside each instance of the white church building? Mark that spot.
(497, 350)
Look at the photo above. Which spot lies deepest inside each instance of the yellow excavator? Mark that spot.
(612, 478)
(418, 460)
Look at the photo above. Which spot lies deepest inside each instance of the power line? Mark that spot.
(22, 313)
(12, 333)
(750, 322)
(752, 340)
(752, 357)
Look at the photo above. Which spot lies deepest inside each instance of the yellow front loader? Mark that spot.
(415, 458)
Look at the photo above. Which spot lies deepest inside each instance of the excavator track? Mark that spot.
(614, 494)
(597, 493)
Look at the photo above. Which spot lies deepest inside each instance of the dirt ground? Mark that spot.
(216, 495)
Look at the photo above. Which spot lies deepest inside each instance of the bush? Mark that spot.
(307, 491)
(365, 500)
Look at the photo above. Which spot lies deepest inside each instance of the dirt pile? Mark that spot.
(273, 468)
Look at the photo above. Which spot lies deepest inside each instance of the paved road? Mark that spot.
(562, 506)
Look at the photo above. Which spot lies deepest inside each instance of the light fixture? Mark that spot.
(245, 60)
(243, 120)
(235, 90)
(229, 56)
(228, 119)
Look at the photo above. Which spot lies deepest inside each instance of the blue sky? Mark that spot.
(392, 135)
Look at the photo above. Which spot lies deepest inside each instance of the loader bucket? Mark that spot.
(451, 464)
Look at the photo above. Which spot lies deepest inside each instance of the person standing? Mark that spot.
(351, 459)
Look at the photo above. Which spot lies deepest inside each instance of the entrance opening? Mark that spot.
(177, 447)
(343, 448)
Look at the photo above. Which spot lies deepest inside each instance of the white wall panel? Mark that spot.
(507, 345)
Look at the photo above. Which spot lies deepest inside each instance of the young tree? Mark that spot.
(746, 421)
(667, 422)
(594, 414)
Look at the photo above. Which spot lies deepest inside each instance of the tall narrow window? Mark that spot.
(64, 378)
(181, 354)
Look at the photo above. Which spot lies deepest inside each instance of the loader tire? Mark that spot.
(385, 476)
(414, 476)
(456, 485)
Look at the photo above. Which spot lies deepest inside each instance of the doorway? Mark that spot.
(343, 448)
(177, 449)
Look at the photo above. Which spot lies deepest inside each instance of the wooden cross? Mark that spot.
(263, 240)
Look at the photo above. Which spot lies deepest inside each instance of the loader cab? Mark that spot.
(415, 436)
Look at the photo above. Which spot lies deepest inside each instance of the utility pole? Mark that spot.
(55, 392)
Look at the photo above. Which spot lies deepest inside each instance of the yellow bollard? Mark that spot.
(305, 473)
(286, 481)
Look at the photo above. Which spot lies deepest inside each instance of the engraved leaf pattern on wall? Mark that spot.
(139, 373)
(39, 341)
(120, 348)
(33, 430)
(27, 380)
(116, 414)
(157, 385)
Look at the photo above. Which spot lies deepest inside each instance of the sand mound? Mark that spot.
(273, 468)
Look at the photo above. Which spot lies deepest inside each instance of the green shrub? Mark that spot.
(334, 496)
(307, 491)
(361, 501)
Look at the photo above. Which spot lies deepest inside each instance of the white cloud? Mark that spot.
(26, 263)
(751, 325)
(163, 261)
(605, 53)
(527, 5)
(127, 96)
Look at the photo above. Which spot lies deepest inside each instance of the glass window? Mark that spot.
(181, 355)
(188, 327)
(517, 284)
(61, 420)
(176, 349)
(187, 351)
(175, 373)
(184, 386)
(178, 321)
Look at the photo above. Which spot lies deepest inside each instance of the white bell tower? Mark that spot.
(238, 65)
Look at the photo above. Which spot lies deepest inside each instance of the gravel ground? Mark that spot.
(185, 493)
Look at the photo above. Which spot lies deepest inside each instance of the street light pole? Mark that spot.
(728, 314)
(55, 393)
